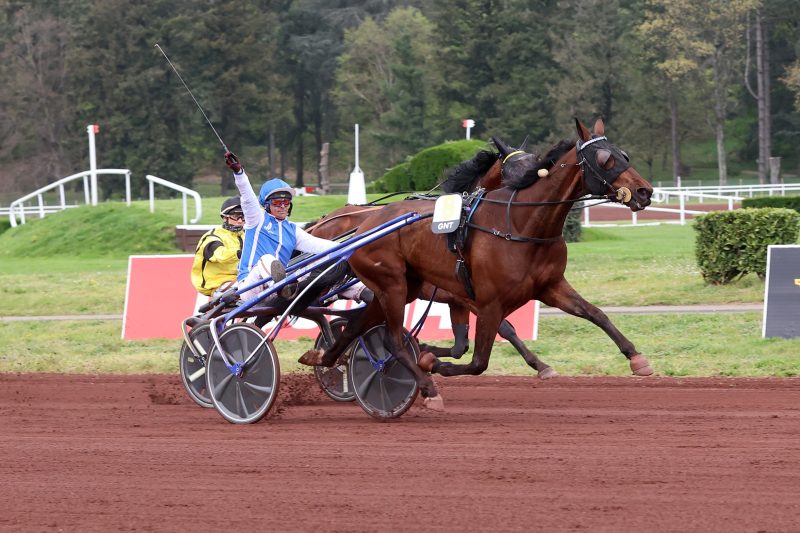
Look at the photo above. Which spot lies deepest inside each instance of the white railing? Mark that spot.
(198, 203)
(17, 207)
(728, 190)
(664, 194)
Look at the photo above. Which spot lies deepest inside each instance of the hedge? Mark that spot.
(424, 170)
(787, 202)
(731, 244)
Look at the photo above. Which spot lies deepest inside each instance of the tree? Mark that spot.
(34, 111)
(494, 62)
(312, 38)
(721, 33)
(664, 42)
(595, 72)
(383, 82)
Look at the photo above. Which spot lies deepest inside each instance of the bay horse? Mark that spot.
(517, 253)
(484, 170)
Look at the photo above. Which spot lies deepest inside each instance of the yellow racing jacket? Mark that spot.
(216, 259)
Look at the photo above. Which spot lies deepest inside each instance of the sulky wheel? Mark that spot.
(384, 388)
(193, 365)
(334, 381)
(244, 391)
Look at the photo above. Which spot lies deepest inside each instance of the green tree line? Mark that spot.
(279, 78)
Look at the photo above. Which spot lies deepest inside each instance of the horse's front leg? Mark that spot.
(393, 304)
(485, 332)
(563, 296)
(508, 332)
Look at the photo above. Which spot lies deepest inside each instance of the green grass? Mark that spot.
(648, 265)
(104, 230)
(677, 345)
(612, 266)
(304, 208)
(652, 265)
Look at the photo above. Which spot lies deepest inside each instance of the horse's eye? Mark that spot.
(604, 160)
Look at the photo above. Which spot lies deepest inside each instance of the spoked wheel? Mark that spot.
(334, 381)
(243, 392)
(384, 388)
(193, 368)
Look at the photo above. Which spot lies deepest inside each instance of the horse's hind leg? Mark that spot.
(485, 332)
(371, 316)
(563, 296)
(508, 332)
(459, 318)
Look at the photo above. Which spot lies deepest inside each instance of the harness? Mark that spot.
(601, 182)
(457, 240)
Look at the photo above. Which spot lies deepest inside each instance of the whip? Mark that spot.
(193, 98)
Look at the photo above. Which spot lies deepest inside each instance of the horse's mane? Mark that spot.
(465, 173)
(555, 153)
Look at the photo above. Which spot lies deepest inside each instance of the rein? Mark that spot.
(324, 220)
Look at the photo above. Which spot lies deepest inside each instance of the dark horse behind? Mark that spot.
(516, 254)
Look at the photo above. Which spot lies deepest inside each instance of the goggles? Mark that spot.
(236, 215)
(280, 202)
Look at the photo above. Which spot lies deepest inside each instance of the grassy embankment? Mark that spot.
(75, 263)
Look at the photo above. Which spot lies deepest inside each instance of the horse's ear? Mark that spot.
(599, 127)
(524, 145)
(583, 133)
(503, 147)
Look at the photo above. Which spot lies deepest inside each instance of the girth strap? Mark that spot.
(457, 240)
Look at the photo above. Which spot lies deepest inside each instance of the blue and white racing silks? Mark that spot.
(265, 234)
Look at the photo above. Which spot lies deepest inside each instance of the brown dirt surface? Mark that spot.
(602, 213)
(123, 453)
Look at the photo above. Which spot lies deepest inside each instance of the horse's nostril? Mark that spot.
(644, 192)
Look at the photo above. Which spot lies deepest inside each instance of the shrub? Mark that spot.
(428, 167)
(424, 170)
(731, 244)
(396, 179)
(572, 226)
(787, 202)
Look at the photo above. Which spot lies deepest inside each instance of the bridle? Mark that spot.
(587, 153)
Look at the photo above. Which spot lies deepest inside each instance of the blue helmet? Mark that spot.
(273, 187)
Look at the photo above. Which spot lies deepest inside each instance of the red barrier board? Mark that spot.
(160, 295)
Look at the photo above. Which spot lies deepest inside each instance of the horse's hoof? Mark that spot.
(547, 373)
(312, 357)
(640, 366)
(434, 403)
(426, 361)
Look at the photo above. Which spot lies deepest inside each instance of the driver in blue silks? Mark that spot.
(270, 238)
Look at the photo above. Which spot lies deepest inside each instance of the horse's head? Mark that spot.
(607, 169)
(514, 163)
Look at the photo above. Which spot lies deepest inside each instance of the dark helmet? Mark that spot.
(231, 206)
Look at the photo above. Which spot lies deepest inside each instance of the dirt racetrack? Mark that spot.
(111, 453)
